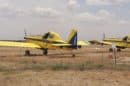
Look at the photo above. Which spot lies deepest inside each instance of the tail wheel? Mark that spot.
(111, 50)
(45, 52)
(73, 55)
(27, 53)
(118, 49)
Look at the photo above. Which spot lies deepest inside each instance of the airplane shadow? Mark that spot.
(56, 55)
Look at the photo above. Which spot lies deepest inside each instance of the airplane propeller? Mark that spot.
(25, 32)
(104, 36)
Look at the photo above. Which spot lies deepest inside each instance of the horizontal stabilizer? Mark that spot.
(82, 43)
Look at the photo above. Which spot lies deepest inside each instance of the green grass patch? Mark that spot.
(60, 66)
(6, 69)
(121, 67)
(37, 67)
(88, 65)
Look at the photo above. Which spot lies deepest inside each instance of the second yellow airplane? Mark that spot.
(119, 43)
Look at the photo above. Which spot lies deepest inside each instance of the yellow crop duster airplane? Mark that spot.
(50, 40)
(120, 43)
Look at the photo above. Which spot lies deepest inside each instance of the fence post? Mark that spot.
(114, 53)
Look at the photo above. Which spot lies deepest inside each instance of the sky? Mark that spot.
(91, 18)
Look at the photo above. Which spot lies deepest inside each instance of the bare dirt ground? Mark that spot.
(66, 78)
(38, 70)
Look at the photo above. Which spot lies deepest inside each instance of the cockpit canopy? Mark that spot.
(126, 38)
(51, 36)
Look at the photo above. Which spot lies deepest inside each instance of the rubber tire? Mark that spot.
(45, 52)
(118, 50)
(27, 53)
(73, 55)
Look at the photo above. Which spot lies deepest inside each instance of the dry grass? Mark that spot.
(91, 67)
(67, 78)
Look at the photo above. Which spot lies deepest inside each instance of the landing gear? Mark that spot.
(27, 53)
(45, 52)
(73, 55)
(118, 50)
(111, 50)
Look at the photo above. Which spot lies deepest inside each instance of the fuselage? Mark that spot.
(120, 43)
(46, 41)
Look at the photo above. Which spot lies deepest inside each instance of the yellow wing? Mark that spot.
(18, 44)
(79, 43)
(61, 45)
(106, 43)
(82, 43)
(117, 44)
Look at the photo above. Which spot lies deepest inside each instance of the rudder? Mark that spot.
(72, 38)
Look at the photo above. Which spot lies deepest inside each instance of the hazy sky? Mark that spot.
(92, 18)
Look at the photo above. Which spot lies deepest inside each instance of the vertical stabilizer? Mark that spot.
(72, 38)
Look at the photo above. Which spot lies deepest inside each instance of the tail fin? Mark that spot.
(125, 39)
(72, 38)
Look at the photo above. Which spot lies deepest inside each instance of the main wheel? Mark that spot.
(118, 50)
(45, 52)
(73, 55)
(27, 53)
